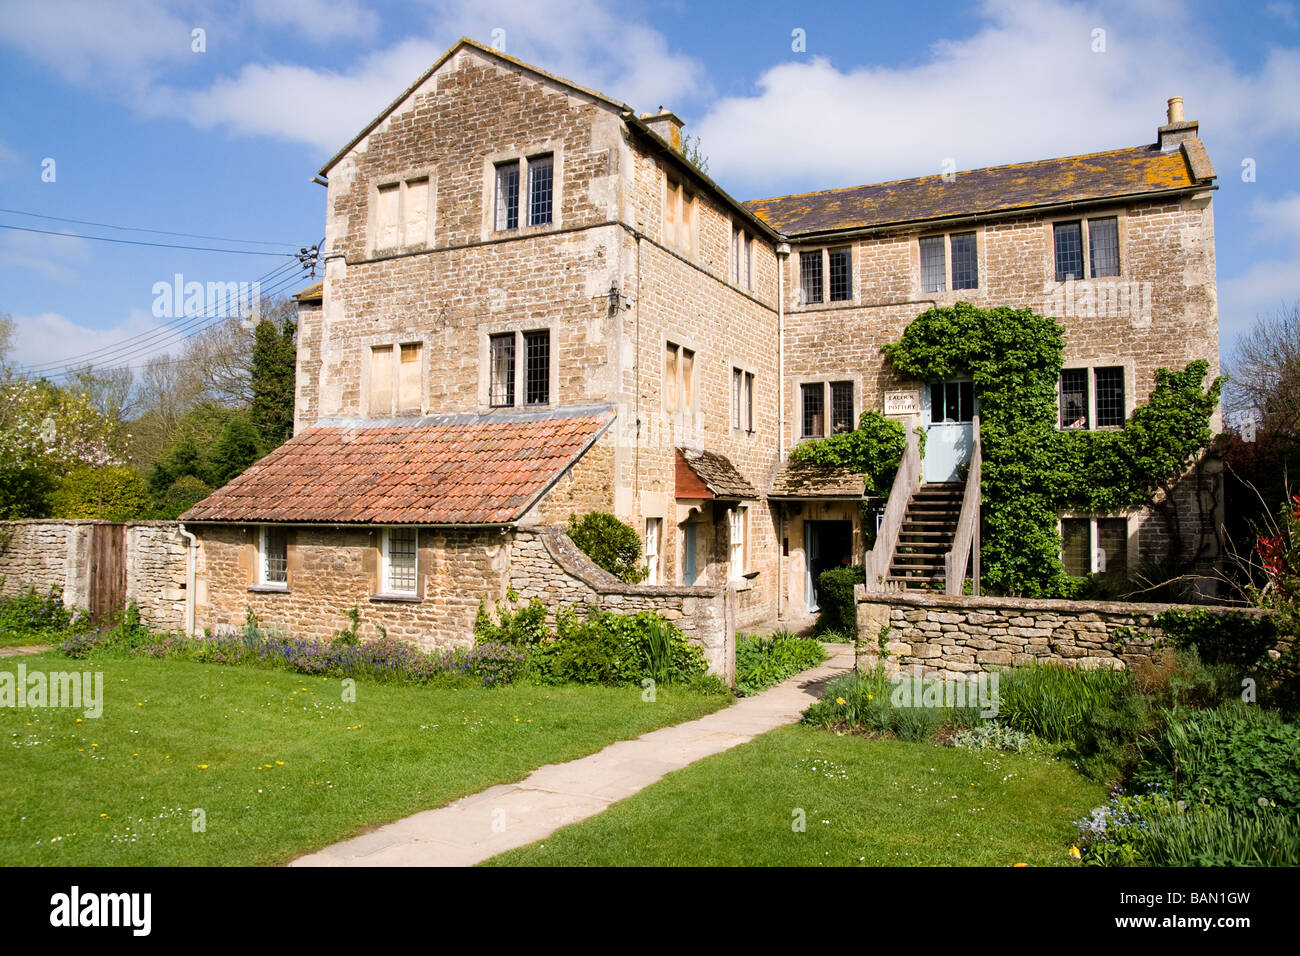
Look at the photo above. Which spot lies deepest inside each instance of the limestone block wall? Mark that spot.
(546, 564)
(961, 635)
(44, 553)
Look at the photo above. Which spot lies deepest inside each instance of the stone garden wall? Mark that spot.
(960, 635)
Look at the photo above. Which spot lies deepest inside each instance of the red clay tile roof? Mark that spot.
(717, 473)
(441, 470)
(1119, 172)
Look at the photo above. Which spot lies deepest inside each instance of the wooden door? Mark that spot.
(107, 571)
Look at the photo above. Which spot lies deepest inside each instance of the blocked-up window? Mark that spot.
(841, 274)
(965, 265)
(1074, 398)
(399, 560)
(501, 359)
(841, 407)
(814, 410)
(537, 368)
(1110, 397)
(1068, 242)
(1076, 546)
(679, 379)
(507, 196)
(275, 555)
(742, 258)
(679, 217)
(932, 264)
(415, 212)
(381, 380)
(810, 276)
(409, 377)
(671, 355)
(388, 228)
(1103, 247)
(541, 193)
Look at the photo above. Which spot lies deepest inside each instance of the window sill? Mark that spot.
(395, 599)
(269, 589)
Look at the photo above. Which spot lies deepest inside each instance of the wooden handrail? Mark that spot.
(900, 493)
(966, 543)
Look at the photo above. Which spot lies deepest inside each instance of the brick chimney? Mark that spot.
(667, 125)
(1177, 129)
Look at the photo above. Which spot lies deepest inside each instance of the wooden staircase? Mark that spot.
(926, 536)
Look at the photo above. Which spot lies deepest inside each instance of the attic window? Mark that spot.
(402, 213)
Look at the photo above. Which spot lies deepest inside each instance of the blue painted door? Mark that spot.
(948, 409)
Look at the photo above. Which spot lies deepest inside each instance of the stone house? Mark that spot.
(533, 305)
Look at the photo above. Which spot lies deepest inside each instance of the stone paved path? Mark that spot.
(463, 833)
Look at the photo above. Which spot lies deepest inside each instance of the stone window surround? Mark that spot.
(259, 583)
(796, 277)
(1090, 365)
(737, 227)
(948, 294)
(666, 180)
(824, 379)
(1120, 216)
(681, 415)
(734, 365)
(741, 576)
(372, 213)
(518, 327)
(368, 342)
(487, 226)
(1132, 536)
(383, 592)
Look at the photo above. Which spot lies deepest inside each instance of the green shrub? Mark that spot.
(838, 609)
(616, 650)
(873, 449)
(1237, 640)
(522, 627)
(1232, 756)
(114, 494)
(993, 736)
(865, 702)
(610, 543)
(1055, 703)
(38, 617)
(764, 661)
(181, 495)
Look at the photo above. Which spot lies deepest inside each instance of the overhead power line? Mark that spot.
(141, 242)
(157, 232)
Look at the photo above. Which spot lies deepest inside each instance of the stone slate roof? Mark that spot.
(804, 480)
(313, 293)
(1119, 172)
(718, 474)
(441, 470)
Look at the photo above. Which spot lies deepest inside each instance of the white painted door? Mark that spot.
(948, 408)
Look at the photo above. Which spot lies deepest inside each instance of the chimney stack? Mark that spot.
(667, 125)
(1178, 129)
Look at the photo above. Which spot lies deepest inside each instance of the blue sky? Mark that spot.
(146, 132)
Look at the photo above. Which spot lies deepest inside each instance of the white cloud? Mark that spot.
(318, 20)
(57, 258)
(1272, 281)
(1285, 12)
(48, 340)
(1025, 85)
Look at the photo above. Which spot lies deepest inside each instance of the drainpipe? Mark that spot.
(190, 573)
(782, 252)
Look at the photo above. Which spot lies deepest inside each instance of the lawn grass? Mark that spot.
(290, 766)
(866, 803)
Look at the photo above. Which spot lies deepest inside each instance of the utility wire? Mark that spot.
(141, 242)
(157, 232)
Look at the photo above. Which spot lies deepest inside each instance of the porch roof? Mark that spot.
(441, 470)
(707, 474)
(804, 480)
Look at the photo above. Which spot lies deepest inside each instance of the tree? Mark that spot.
(1264, 374)
(272, 380)
(113, 494)
(237, 447)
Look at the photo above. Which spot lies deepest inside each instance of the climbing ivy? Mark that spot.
(874, 449)
(1032, 469)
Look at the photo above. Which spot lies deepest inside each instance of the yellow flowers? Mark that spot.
(78, 720)
(139, 703)
(102, 815)
(1019, 864)
(279, 763)
(203, 766)
(1074, 853)
(839, 700)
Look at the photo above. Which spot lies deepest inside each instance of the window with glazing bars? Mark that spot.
(932, 264)
(1110, 397)
(275, 555)
(814, 410)
(742, 399)
(501, 381)
(952, 402)
(1076, 546)
(1074, 398)
(1112, 546)
(541, 173)
(507, 200)
(399, 560)
(841, 407)
(537, 368)
(810, 276)
(841, 274)
(1103, 246)
(965, 268)
(1068, 242)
